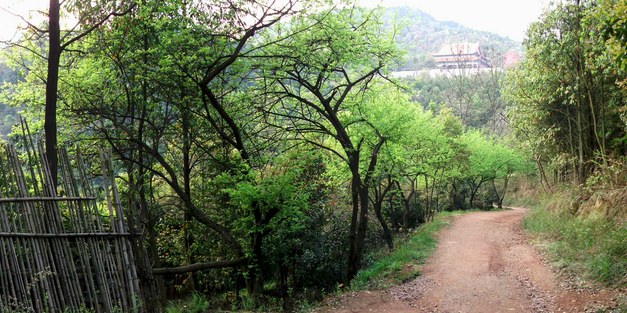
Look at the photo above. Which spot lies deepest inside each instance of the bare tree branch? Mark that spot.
(199, 267)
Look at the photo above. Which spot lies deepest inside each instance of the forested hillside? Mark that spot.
(263, 153)
(421, 35)
(475, 97)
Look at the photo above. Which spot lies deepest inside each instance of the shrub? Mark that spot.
(592, 245)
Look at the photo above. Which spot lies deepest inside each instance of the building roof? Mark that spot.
(459, 49)
(461, 55)
(461, 58)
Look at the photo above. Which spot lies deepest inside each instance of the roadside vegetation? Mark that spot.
(570, 115)
(582, 232)
(592, 245)
(265, 156)
(383, 268)
(404, 263)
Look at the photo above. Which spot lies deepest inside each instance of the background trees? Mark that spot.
(256, 140)
(568, 93)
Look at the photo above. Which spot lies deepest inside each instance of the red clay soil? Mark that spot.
(483, 264)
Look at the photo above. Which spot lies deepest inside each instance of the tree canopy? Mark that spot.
(263, 151)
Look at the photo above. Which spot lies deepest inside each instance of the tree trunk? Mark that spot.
(362, 227)
(353, 258)
(501, 196)
(474, 188)
(505, 183)
(155, 296)
(156, 292)
(283, 280)
(359, 225)
(387, 235)
(428, 196)
(580, 178)
(543, 175)
(52, 85)
(406, 201)
(379, 197)
(254, 281)
(145, 251)
(187, 181)
(360, 190)
(472, 198)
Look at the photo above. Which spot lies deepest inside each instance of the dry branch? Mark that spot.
(199, 266)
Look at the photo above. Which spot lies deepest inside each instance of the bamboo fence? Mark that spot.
(63, 253)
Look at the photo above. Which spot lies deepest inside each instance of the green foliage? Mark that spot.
(267, 191)
(403, 263)
(491, 159)
(611, 15)
(8, 115)
(591, 246)
(568, 101)
(197, 303)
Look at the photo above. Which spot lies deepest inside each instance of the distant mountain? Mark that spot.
(421, 35)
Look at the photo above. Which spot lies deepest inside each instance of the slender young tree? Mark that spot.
(52, 86)
(92, 18)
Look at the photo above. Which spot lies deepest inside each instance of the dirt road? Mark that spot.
(483, 264)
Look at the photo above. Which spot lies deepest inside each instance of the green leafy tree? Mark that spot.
(330, 63)
(489, 162)
(164, 90)
(610, 17)
(566, 93)
(482, 162)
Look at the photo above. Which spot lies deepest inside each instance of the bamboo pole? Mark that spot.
(38, 286)
(64, 235)
(10, 284)
(47, 199)
(61, 252)
(85, 223)
(89, 247)
(90, 281)
(132, 280)
(67, 294)
(15, 286)
(113, 226)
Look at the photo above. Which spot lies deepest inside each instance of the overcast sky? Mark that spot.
(8, 22)
(508, 18)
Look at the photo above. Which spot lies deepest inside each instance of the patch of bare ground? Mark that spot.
(483, 263)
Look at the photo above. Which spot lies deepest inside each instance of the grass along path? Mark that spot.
(403, 264)
(483, 263)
